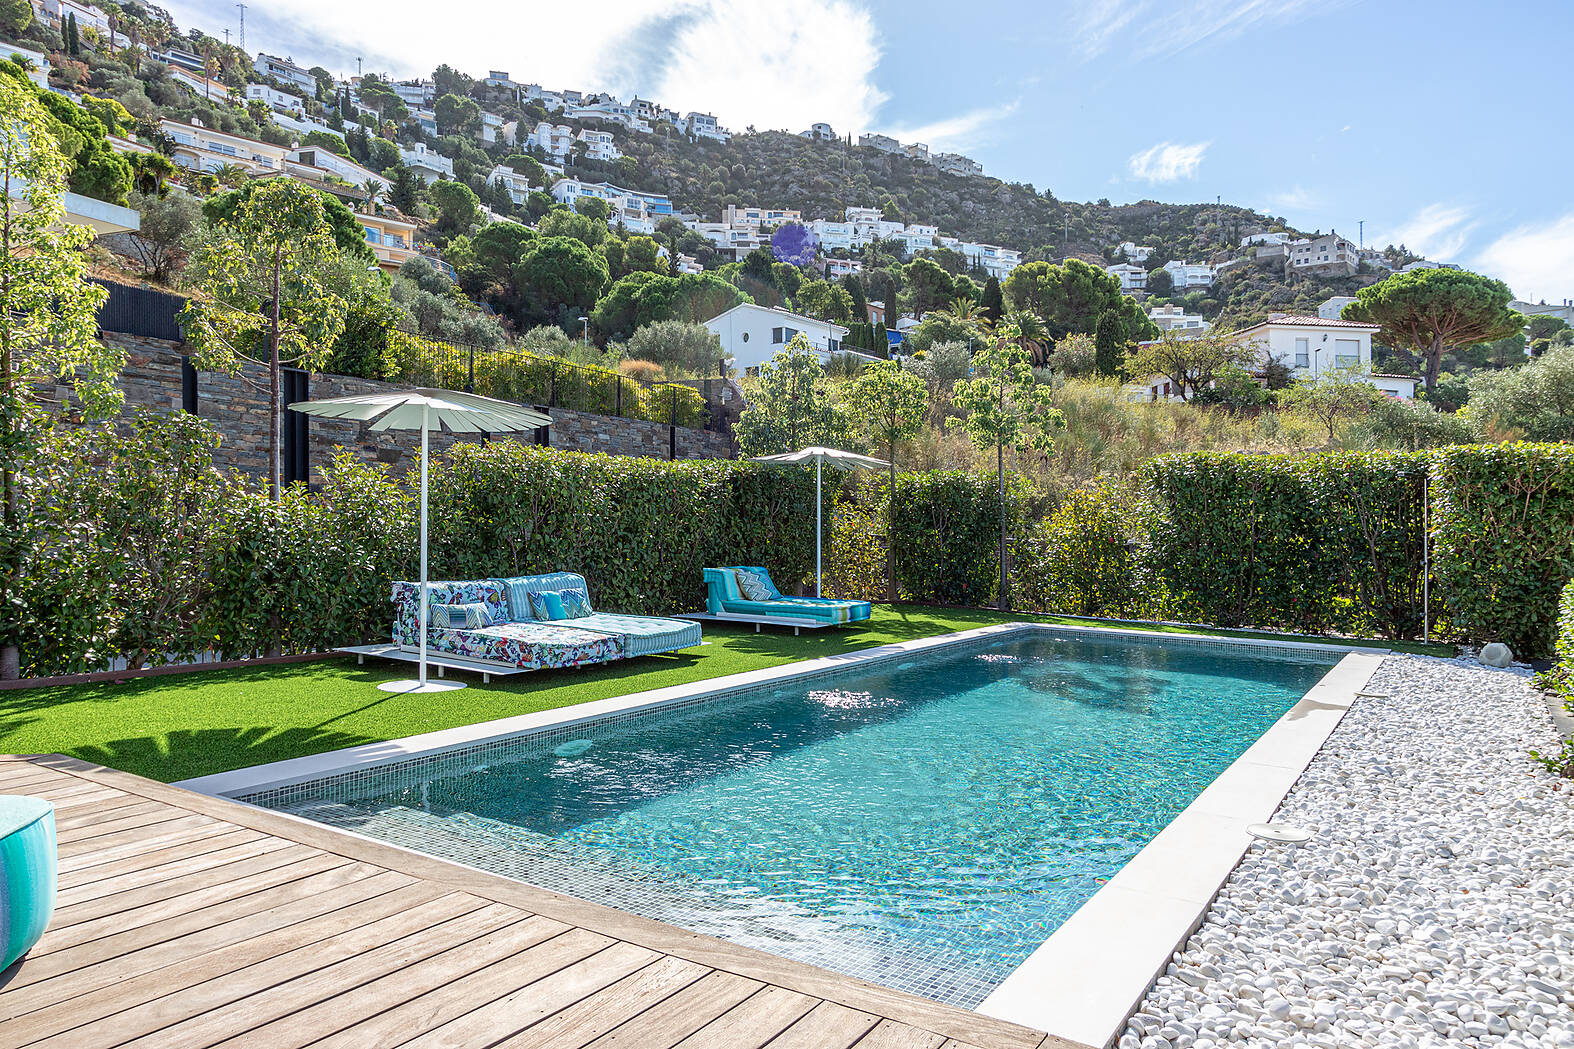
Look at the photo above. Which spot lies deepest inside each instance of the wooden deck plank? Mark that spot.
(130, 948)
(87, 873)
(753, 1022)
(361, 956)
(195, 900)
(136, 877)
(407, 1020)
(185, 920)
(453, 966)
(826, 1026)
(677, 1017)
(891, 1034)
(134, 898)
(590, 1018)
(190, 969)
(538, 1000)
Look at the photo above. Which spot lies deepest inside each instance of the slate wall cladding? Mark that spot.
(238, 406)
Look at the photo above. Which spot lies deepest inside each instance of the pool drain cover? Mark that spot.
(1282, 833)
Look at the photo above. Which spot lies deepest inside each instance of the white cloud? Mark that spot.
(1296, 198)
(780, 65)
(963, 131)
(1168, 161)
(1536, 261)
(1147, 28)
(1438, 232)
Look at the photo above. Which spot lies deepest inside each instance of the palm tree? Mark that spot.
(232, 175)
(965, 311)
(375, 191)
(1030, 334)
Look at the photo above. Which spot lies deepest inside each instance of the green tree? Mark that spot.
(855, 292)
(993, 301)
(458, 208)
(593, 208)
(73, 36)
(1072, 297)
(1109, 343)
(1430, 310)
(1333, 398)
(925, 286)
(790, 404)
(1005, 408)
(889, 403)
(1411, 426)
(168, 230)
(15, 17)
(889, 212)
(683, 349)
(642, 255)
(562, 222)
(349, 236)
(271, 289)
(50, 310)
(1535, 400)
(559, 279)
(406, 192)
(1160, 283)
(826, 301)
(456, 115)
(1189, 362)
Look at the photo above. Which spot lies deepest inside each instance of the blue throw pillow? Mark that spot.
(547, 604)
(752, 586)
(576, 603)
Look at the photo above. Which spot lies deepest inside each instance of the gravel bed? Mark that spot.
(1434, 905)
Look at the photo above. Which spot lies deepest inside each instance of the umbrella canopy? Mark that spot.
(426, 410)
(406, 409)
(822, 457)
(826, 457)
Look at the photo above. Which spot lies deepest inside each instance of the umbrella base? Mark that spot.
(411, 685)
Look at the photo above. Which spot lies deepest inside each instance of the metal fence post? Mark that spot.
(470, 371)
(552, 388)
(617, 395)
(672, 427)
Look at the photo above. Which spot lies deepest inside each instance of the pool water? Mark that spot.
(925, 824)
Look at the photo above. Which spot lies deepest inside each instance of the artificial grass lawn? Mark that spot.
(184, 725)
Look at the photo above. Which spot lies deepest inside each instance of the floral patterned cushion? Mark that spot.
(406, 599)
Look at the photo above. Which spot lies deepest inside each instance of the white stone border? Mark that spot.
(1095, 969)
(1092, 973)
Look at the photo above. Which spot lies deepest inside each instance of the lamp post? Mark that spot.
(585, 329)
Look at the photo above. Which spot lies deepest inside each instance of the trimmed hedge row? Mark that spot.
(1503, 530)
(1310, 543)
(140, 550)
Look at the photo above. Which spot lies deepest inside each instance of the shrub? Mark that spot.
(673, 403)
(947, 534)
(1503, 531)
(1315, 543)
(1083, 559)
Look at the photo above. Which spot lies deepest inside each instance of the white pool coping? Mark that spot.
(1091, 974)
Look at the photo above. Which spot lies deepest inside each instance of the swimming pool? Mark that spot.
(925, 822)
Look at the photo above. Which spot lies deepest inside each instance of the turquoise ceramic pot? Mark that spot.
(28, 860)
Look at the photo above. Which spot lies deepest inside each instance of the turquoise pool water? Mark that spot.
(925, 824)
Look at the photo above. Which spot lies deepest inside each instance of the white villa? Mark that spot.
(427, 165)
(1188, 275)
(36, 61)
(319, 164)
(199, 85)
(1175, 318)
(1132, 278)
(752, 335)
(1135, 252)
(1330, 308)
(279, 101)
(703, 125)
(204, 149)
(286, 71)
(1332, 255)
(598, 145)
(556, 140)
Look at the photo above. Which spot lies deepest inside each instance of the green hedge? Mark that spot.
(1088, 559)
(1309, 543)
(1560, 678)
(138, 548)
(1503, 530)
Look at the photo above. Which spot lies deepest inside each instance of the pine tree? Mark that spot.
(1108, 339)
(405, 190)
(855, 291)
(993, 303)
(73, 40)
(882, 341)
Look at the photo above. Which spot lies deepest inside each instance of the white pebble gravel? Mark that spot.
(1433, 907)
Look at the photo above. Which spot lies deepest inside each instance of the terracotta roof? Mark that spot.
(1307, 321)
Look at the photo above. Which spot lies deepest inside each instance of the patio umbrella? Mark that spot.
(820, 457)
(425, 410)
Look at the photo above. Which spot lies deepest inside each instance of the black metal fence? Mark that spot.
(141, 311)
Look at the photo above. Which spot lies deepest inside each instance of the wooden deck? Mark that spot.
(189, 921)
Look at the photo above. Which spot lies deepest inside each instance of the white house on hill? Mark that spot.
(752, 335)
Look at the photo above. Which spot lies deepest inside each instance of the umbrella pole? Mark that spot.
(818, 466)
(424, 420)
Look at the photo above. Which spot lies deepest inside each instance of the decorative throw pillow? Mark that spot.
(576, 603)
(753, 587)
(548, 605)
(471, 616)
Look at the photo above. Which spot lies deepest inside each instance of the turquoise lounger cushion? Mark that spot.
(28, 865)
(547, 605)
(519, 588)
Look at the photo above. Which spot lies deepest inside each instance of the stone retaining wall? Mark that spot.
(238, 406)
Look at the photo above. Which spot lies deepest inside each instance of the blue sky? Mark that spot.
(1439, 123)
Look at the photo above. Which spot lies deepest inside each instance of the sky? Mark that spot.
(1437, 124)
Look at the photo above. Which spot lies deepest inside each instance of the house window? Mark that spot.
(776, 336)
(1347, 353)
(1303, 356)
